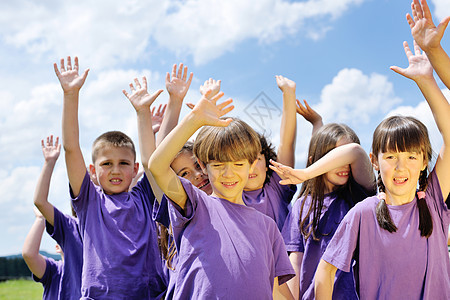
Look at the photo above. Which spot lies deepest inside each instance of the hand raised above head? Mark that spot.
(178, 84)
(212, 85)
(285, 84)
(208, 112)
(419, 65)
(49, 150)
(139, 97)
(68, 76)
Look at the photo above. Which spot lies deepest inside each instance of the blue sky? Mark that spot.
(337, 51)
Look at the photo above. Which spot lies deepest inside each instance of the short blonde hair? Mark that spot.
(112, 138)
(237, 141)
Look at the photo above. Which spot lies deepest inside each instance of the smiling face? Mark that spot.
(257, 178)
(228, 179)
(114, 169)
(185, 165)
(400, 173)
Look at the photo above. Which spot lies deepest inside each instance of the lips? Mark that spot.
(116, 181)
(203, 184)
(400, 180)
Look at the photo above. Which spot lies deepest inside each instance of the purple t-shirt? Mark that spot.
(66, 233)
(51, 278)
(225, 250)
(335, 206)
(272, 200)
(399, 265)
(120, 252)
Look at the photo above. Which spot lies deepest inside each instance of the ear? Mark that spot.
(252, 166)
(310, 159)
(202, 165)
(136, 169)
(374, 160)
(92, 173)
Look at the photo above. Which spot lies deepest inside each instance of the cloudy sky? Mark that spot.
(337, 51)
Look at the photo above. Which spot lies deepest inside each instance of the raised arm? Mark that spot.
(177, 86)
(206, 112)
(71, 84)
(421, 72)
(288, 129)
(51, 153)
(141, 101)
(30, 251)
(349, 154)
(428, 37)
(310, 115)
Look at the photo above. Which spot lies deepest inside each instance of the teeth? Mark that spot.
(400, 180)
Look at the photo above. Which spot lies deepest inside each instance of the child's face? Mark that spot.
(400, 173)
(114, 169)
(185, 165)
(258, 176)
(228, 179)
(339, 176)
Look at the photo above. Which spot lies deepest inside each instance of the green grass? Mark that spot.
(20, 289)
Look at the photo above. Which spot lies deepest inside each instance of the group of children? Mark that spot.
(212, 219)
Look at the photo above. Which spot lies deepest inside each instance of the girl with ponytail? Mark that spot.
(400, 236)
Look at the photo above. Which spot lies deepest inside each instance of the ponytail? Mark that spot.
(382, 211)
(425, 220)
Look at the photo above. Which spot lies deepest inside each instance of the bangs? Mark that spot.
(401, 134)
(232, 143)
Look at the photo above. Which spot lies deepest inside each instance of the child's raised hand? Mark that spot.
(423, 30)
(285, 84)
(288, 175)
(139, 97)
(308, 113)
(178, 86)
(51, 151)
(68, 76)
(212, 85)
(208, 112)
(419, 65)
(158, 116)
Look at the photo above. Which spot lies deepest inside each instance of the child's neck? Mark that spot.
(397, 200)
(236, 200)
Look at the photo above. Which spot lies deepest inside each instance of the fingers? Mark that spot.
(174, 71)
(180, 71)
(398, 70)
(408, 51)
(224, 104)
(416, 48)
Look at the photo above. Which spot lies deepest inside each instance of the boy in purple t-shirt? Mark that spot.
(225, 249)
(62, 228)
(120, 253)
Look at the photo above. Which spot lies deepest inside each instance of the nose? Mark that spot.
(198, 174)
(227, 171)
(400, 164)
(115, 169)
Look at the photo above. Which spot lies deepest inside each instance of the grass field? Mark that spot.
(20, 289)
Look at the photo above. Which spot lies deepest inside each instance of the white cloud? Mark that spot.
(442, 9)
(108, 32)
(354, 97)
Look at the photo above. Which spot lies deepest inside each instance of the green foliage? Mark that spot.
(20, 289)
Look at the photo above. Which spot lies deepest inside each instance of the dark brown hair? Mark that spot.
(322, 142)
(112, 138)
(403, 134)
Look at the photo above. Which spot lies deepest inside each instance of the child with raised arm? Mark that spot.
(338, 174)
(225, 249)
(64, 229)
(428, 37)
(263, 190)
(45, 269)
(120, 254)
(399, 236)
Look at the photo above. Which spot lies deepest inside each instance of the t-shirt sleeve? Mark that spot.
(62, 225)
(435, 198)
(286, 191)
(51, 268)
(80, 202)
(341, 248)
(291, 230)
(160, 212)
(283, 266)
(144, 191)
